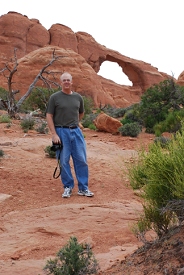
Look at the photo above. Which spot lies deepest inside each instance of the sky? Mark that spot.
(146, 30)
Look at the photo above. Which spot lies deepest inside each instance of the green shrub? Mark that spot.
(132, 115)
(27, 124)
(38, 99)
(130, 129)
(5, 119)
(49, 152)
(154, 220)
(137, 172)
(118, 112)
(109, 110)
(42, 128)
(150, 131)
(162, 140)
(158, 101)
(88, 105)
(159, 174)
(88, 120)
(73, 259)
(171, 124)
(92, 126)
(126, 120)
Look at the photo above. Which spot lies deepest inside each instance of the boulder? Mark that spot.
(105, 123)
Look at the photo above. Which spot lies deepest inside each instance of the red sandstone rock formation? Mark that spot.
(83, 58)
(180, 80)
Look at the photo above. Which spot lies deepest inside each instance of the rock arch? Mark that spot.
(84, 58)
(111, 70)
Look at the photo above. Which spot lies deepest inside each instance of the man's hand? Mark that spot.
(56, 139)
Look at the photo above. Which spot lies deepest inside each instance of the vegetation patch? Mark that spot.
(159, 175)
(73, 259)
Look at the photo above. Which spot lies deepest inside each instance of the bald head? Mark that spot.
(66, 76)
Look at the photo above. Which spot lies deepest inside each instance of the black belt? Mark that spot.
(69, 127)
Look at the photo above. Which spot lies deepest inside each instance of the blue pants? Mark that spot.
(73, 146)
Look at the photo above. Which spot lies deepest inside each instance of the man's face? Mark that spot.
(66, 81)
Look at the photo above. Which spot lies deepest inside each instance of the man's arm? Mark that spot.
(81, 116)
(50, 123)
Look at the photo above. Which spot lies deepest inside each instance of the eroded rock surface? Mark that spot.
(36, 221)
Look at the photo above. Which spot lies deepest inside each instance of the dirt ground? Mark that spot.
(36, 221)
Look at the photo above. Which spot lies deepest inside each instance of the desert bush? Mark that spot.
(92, 126)
(49, 152)
(115, 112)
(27, 124)
(130, 129)
(38, 99)
(175, 206)
(42, 128)
(162, 140)
(152, 219)
(171, 124)
(158, 101)
(159, 174)
(132, 114)
(109, 110)
(118, 112)
(88, 105)
(73, 259)
(88, 120)
(5, 118)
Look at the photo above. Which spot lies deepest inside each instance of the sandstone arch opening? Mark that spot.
(112, 71)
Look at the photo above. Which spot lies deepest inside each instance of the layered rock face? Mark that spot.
(80, 55)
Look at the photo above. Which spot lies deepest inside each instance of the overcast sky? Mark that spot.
(147, 30)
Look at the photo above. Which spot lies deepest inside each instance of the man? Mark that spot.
(65, 109)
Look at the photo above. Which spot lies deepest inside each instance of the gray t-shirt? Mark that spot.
(65, 108)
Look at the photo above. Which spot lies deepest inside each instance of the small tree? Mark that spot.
(10, 69)
(158, 101)
(73, 259)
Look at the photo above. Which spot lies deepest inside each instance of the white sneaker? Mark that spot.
(86, 193)
(67, 192)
